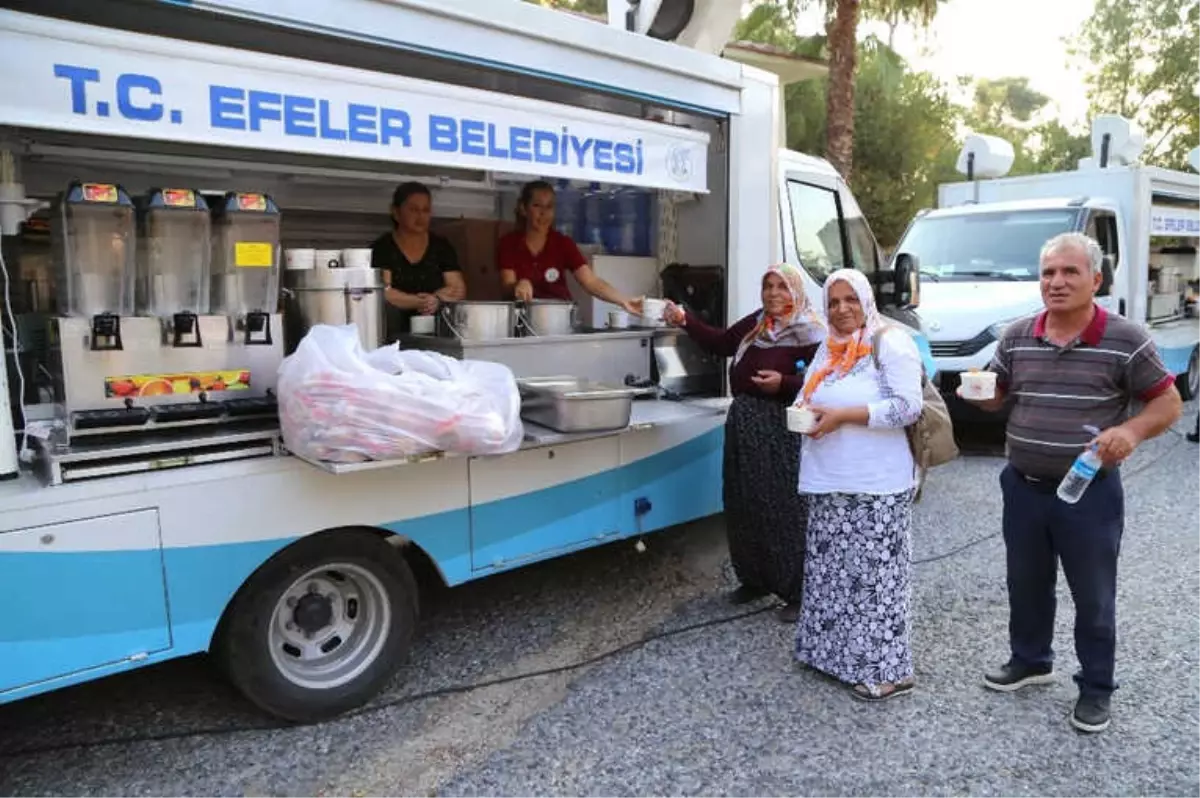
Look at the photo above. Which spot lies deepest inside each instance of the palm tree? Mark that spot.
(841, 28)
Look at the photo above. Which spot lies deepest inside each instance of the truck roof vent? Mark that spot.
(704, 25)
(984, 157)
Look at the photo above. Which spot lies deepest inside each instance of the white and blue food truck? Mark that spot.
(158, 161)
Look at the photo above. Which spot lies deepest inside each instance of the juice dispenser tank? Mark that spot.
(174, 262)
(245, 274)
(95, 257)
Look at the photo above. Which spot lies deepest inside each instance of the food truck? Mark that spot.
(159, 161)
(977, 252)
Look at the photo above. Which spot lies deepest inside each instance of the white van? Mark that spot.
(977, 256)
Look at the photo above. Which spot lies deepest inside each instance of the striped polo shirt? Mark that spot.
(1056, 390)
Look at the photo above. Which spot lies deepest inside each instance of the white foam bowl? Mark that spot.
(979, 385)
(801, 419)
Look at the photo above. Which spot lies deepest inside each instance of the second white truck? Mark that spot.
(978, 252)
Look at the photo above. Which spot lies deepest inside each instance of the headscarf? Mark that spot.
(840, 352)
(797, 325)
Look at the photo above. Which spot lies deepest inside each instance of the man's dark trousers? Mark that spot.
(1040, 529)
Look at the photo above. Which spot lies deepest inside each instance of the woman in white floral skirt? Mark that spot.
(858, 475)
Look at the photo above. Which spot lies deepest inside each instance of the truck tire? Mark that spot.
(321, 626)
(1188, 382)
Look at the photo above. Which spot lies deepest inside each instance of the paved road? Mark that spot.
(718, 710)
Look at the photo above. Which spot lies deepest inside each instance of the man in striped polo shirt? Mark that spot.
(1070, 366)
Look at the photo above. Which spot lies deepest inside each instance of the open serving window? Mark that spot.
(326, 146)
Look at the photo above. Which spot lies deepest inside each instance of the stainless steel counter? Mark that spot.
(647, 414)
(608, 356)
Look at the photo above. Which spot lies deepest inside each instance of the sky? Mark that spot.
(994, 39)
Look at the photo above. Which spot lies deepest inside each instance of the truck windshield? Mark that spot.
(1003, 245)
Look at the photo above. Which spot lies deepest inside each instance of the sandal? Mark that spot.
(875, 693)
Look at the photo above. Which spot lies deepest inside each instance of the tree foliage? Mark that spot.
(1010, 108)
(1142, 64)
(904, 133)
(841, 30)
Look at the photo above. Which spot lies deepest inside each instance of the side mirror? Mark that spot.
(1106, 276)
(904, 280)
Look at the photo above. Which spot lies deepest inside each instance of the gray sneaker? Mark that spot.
(1091, 713)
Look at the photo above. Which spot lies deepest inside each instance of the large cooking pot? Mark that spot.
(549, 317)
(335, 296)
(477, 321)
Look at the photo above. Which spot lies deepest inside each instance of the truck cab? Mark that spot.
(823, 229)
(978, 253)
(978, 266)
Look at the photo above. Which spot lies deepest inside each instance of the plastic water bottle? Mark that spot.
(1082, 472)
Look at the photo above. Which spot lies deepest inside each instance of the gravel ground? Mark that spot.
(719, 710)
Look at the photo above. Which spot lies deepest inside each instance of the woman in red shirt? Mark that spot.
(535, 258)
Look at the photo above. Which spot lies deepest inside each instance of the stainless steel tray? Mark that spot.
(571, 404)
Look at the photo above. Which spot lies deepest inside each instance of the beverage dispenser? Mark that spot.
(94, 246)
(176, 363)
(94, 242)
(173, 278)
(245, 277)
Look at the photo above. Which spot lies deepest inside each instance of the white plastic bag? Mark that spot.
(342, 404)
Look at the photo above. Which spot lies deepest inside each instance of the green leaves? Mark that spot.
(1142, 57)
(1008, 108)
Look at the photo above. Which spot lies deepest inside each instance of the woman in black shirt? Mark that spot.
(420, 269)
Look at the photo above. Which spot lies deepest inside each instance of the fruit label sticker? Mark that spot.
(174, 384)
(253, 255)
(179, 198)
(99, 192)
(251, 202)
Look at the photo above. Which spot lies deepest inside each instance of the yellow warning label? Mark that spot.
(253, 255)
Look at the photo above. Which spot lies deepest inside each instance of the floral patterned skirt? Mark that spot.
(855, 620)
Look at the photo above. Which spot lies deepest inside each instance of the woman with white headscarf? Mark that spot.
(858, 473)
(764, 516)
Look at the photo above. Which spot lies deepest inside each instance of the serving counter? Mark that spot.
(646, 414)
(607, 356)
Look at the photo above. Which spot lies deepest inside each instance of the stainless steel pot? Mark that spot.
(549, 317)
(338, 296)
(477, 321)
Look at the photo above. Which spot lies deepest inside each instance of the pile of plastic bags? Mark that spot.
(340, 403)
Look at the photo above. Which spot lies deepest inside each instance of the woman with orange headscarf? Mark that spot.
(858, 474)
(764, 515)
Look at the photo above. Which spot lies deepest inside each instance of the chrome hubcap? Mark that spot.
(329, 626)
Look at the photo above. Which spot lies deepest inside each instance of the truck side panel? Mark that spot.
(99, 579)
(120, 601)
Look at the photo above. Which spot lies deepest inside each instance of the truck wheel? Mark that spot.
(320, 627)
(1189, 381)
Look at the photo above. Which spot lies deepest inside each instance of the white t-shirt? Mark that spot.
(873, 459)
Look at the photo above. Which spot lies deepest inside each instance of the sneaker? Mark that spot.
(1011, 677)
(1091, 713)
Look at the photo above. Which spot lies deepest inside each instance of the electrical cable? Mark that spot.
(412, 698)
(436, 693)
(23, 451)
(399, 701)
